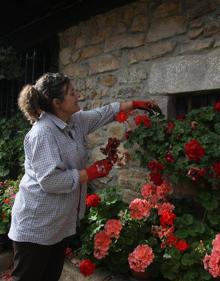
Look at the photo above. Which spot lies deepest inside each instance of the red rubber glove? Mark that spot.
(99, 169)
(146, 105)
(139, 104)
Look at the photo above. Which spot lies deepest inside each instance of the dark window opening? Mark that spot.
(34, 62)
(179, 104)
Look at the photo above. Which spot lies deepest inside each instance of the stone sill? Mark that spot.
(72, 273)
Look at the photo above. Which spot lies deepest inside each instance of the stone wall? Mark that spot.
(147, 48)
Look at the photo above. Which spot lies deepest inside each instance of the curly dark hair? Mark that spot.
(33, 99)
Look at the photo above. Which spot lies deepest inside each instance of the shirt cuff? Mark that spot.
(76, 178)
(115, 107)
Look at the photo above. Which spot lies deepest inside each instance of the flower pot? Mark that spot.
(146, 276)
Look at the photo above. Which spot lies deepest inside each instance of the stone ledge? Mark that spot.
(71, 273)
(186, 73)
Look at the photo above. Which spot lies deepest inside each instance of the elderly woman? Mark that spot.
(51, 197)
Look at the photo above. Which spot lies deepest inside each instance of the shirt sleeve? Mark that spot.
(50, 171)
(92, 120)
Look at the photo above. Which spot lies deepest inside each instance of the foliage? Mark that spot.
(95, 218)
(10, 66)
(8, 190)
(13, 131)
(187, 266)
(187, 149)
(136, 230)
(184, 150)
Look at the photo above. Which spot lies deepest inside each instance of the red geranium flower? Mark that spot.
(127, 134)
(181, 117)
(171, 240)
(169, 128)
(216, 168)
(69, 253)
(6, 201)
(143, 119)
(194, 150)
(92, 200)
(169, 157)
(167, 218)
(87, 267)
(121, 117)
(156, 178)
(195, 173)
(182, 245)
(217, 106)
(155, 166)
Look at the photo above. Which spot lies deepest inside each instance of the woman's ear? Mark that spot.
(56, 103)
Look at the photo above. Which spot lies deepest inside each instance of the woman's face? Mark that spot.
(69, 105)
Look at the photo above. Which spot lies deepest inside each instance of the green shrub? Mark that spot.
(13, 131)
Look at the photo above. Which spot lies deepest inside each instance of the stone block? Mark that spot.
(65, 56)
(76, 70)
(124, 41)
(129, 195)
(94, 139)
(139, 23)
(127, 14)
(210, 29)
(196, 46)
(185, 74)
(90, 51)
(81, 41)
(168, 8)
(196, 9)
(195, 33)
(166, 27)
(75, 56)
(103, 63)
(132, 178)
(217, 44)
(116, 130)
(150, 52)
(108, 80)
(196, 23)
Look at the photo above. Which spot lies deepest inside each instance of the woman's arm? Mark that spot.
(138, 104)
(126, 106)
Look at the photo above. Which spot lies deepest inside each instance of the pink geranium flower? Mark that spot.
(113, 228)
(139, 209)
(212, 262)
(141, 258)
(102, 243)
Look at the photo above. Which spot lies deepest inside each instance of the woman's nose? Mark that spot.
(78, 95)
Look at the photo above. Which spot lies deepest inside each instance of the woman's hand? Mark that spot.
(146, 105)
(99, 169)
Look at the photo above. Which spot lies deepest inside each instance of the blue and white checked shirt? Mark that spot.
(50, 200)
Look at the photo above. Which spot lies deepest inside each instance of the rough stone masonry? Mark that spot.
(146, 49)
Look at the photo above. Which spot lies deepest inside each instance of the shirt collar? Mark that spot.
(57, 121)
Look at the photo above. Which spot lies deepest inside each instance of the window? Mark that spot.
(183, 103)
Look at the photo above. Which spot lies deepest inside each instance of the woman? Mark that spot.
(51, 197)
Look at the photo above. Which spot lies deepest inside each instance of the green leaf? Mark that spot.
(217, 128)
(214, 218)
(187, 259)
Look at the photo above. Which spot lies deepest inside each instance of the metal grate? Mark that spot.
(34, 64)
(182, 104)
